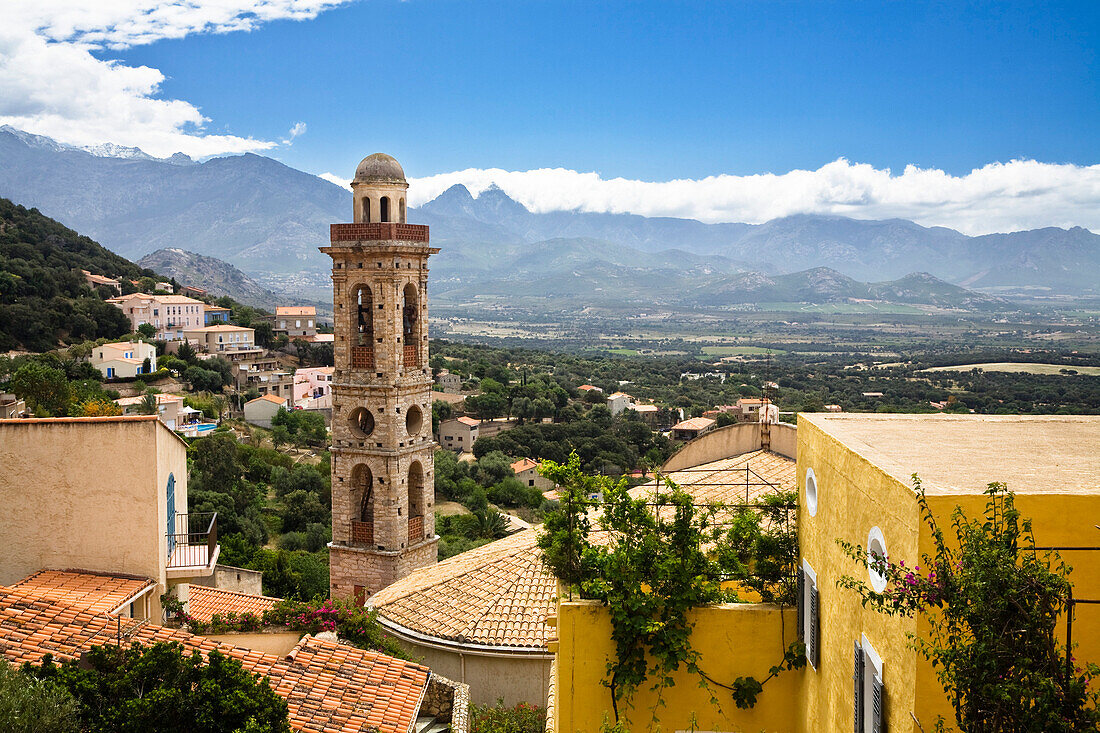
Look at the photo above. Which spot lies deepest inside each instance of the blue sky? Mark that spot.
(980, 116)
(654, 90)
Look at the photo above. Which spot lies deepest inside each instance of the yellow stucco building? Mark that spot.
(854, 477)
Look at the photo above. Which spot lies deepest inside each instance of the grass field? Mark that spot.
(1018, 367)
(621, 351)
(737, 350)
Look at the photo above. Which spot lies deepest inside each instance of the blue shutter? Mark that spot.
(857, 678)
(171, 513)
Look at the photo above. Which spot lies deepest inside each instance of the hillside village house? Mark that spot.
(124, 359)
(313, 387)
(527, 471)
(11, 406)
(170, 408)
(648, 413)
(116, 489)
(459, 433)
(171, 315)
(261, 410)
(692, 428)
(296, 321)
(213, 315)
(586, 388)
(95, 281)
(449, 382)
(119, 486)
(619, 401)
(221, 338)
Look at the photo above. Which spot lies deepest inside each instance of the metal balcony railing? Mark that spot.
(194, 541)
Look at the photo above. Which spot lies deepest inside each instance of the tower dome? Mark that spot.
(379, 166)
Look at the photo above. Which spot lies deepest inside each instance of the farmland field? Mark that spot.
(1018, 367)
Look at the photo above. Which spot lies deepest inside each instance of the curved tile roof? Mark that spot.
(495, 595)
(203, 602)
(500, 594)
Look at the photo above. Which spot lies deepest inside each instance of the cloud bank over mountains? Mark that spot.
(54, 81)
(998, 197)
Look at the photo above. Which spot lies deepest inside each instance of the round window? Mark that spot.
(414, 420)
(811, 492)
(876, 554)
(361, 422)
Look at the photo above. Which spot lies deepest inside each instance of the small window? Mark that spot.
(811, 492)
(808, 610)
(876, 548)
(870, 693)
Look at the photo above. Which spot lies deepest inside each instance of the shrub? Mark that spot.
(30, 705)
(520, 718)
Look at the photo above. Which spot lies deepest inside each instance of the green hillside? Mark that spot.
(44, 300)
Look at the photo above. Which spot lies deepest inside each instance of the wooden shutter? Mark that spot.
(877, 693)
(802, 604)
(857, 684)
(812, 645)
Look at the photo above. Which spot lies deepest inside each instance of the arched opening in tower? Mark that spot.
(362, 503)
(416, 502)
(402, 219)
(362, 350)
(384, 209)
(410, 332)
(366, 210)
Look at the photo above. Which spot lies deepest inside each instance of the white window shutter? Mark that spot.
(877, 693)
(857, 684)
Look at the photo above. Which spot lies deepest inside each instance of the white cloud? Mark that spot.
(342, 182)
(299, 128)
(51, 83)
(999, 197)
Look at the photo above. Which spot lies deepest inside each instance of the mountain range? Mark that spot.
(268, 219)
(213, 275)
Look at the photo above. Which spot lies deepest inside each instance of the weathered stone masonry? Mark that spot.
(383, 524)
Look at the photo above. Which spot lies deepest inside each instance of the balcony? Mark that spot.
(362, 533)
(416, 529)
(412, 356)
(380, 231)
(362, 357)
(193, 547)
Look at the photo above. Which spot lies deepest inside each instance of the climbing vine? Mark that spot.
(992, 601)
(651, 558)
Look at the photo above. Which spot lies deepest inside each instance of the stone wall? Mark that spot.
(449, 701)
(373, 570)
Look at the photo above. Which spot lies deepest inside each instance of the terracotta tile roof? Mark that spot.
(329, 687)
(204, 602)
(695, 423)
(469, 421)
(495, 595)
(524, 464)
(96, 592)
(295, 310)
(269, 398)
(220, 328)
(500, 594)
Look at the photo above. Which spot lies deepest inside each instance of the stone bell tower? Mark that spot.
(383, 485)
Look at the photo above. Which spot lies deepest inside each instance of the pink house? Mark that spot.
(313, 387)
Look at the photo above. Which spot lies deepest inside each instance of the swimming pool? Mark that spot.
(205, 427)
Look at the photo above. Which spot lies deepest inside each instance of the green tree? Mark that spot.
(160, 688)
(148, 330)
(44, 388)
(148, 405)
(301, 508)
(30, 705)
(186, 352)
